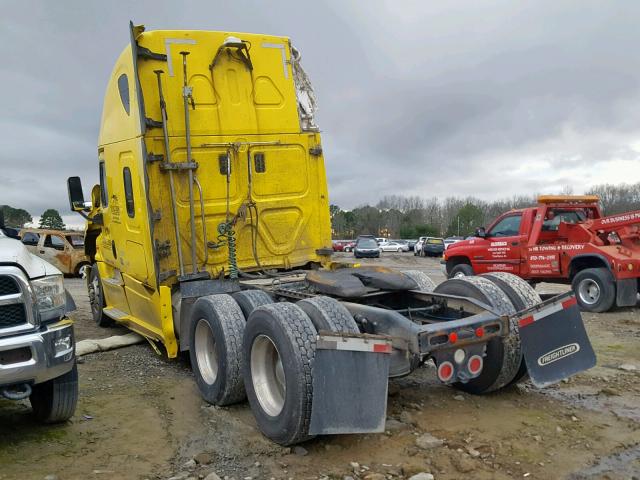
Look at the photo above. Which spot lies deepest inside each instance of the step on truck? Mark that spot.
(209, 233)
(563, 239)
(37, 351)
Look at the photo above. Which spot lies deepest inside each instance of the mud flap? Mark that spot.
(350, 379)
(554, 342)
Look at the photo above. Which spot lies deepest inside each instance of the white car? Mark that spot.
(394, 247)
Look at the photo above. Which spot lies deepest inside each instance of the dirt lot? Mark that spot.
(140, 416)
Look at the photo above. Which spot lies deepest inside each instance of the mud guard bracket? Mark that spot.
(350, 380)
(554, 342)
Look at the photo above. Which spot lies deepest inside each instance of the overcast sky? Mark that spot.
(490, 99)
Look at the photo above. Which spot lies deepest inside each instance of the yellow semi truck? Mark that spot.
(209, 232)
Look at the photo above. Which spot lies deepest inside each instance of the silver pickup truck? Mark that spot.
(37, 350)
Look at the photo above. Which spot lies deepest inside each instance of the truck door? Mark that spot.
(53, 248)
(502, 246)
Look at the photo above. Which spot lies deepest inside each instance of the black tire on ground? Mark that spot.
(461, 270)
(522, 296)
(425, 284)
(502, 355)
(327, 313)
(249, 300)
(595, 289)
(215, 340)
(55, 400)
(279, 349)
(96, 298)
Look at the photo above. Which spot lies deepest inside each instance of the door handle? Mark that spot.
(41, 251)
(514, 244)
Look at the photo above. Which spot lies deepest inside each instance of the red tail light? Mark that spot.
(475, 364)
(445, 371)
(453, 337)
(479, 332)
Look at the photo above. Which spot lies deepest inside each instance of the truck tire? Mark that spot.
(327, 313)
(96, 298)
(55, 400)
(502, 356)
(522, 296)
(461, 270)
(279, 349)
(425, 284)
(215, 340)
(595, 289)
(249, 300)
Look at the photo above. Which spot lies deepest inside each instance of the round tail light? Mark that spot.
(475, 364)
(445, 371)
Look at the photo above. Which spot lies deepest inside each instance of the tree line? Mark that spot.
(398, 216)
(18, 218)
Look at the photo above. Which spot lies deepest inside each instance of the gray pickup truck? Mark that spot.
(37, 349)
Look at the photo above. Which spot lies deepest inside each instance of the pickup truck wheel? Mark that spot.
(594, 289)
(215, 339)
(249, 300)
(55, 400)
(425, 284)
(461, 270)
(522, 296)
(96, 298)
(327, 313)
(502, 356)
(279, 348)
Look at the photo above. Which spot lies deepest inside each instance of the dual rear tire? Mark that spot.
(268, 357)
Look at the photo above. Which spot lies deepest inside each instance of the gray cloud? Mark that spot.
(427, 98)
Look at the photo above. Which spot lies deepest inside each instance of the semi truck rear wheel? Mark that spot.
(522, 296)
(96, 298)
(55, 400)
(595, 289)
(327, 313)
(249, 300)
(502, 355)
(215, 339)
(279, 348)
(425, 284)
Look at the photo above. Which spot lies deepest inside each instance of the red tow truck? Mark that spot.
(563, 239)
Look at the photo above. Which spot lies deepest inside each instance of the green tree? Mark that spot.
(15, 217)
(51, 219)
(464, 223)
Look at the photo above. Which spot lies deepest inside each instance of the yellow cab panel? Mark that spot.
(256, 164)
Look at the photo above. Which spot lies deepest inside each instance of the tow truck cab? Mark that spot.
(555, 241)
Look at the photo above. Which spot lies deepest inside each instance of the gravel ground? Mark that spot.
(140, 417)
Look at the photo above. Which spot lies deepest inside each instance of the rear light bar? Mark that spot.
(556, 307)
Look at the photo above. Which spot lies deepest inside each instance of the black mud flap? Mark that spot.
(350, 379)
(554, 342)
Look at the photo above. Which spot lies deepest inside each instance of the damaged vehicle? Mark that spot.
(209, 233)
(63, 249)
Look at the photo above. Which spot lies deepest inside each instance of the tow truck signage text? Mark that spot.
(556, 248)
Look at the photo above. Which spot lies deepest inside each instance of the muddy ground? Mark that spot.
(140, 417)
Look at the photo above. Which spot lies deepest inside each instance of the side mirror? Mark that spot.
(76, 197)
(480, 232)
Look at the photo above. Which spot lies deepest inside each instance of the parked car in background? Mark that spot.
(451, 240)
(349, 246)
(366, 247)
(338, 245)
(433, 247)
(411, 244)
(394, 247)
(417, 248)
(63, 249)
(380, 240)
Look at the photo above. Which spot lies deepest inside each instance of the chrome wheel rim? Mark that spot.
(589, 291)
(267, 375)
(206, 352)
(459, 275)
